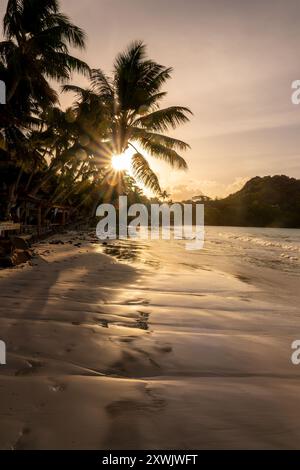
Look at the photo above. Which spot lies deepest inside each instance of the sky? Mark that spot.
(234, 62)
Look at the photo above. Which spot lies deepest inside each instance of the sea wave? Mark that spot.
(281, 247)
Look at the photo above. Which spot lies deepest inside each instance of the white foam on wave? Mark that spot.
(277, 245)
(261, 241)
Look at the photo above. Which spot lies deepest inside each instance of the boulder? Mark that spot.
(20, 257)
(20, 243)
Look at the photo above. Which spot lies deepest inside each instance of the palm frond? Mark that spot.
(144, 137)
(79, 92)
(135, 52)
(152, 101)
(143, 173)
(128, 73)
(11, 20)
(166, 154)
(7, 50)
(153, 76)
(101, 84)
(62, 27)
(65, 65)
(163, 119)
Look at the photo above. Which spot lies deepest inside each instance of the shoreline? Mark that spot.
(103, 354)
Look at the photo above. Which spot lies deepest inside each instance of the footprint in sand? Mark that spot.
(151, 404)
(31, 367)
(148, 356)
(137, 302)
(128, 339)
(56, 388)
(142, 320)
(18, 445)
(164, 349)
(104, 323)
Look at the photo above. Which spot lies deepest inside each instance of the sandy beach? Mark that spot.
(144, 345)
(122, 122)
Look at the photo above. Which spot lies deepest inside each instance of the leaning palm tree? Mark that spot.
(132, 99)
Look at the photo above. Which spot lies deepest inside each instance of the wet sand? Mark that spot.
(138, 345)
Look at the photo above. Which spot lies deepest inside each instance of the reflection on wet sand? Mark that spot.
(145, 345)
(129, 251)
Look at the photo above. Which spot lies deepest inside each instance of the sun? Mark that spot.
(121, 162)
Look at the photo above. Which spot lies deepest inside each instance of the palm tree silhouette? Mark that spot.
(36, 48)
(132, 98)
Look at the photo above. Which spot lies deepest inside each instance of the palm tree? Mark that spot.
(36, 48)
(132, 99)
(165, 196)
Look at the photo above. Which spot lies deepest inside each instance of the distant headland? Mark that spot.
(269, 201)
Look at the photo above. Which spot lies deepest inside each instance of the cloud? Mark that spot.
(209, 188)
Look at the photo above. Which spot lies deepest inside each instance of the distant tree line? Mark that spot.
(270, 201)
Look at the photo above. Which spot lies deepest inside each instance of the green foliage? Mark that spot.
(271, 201)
